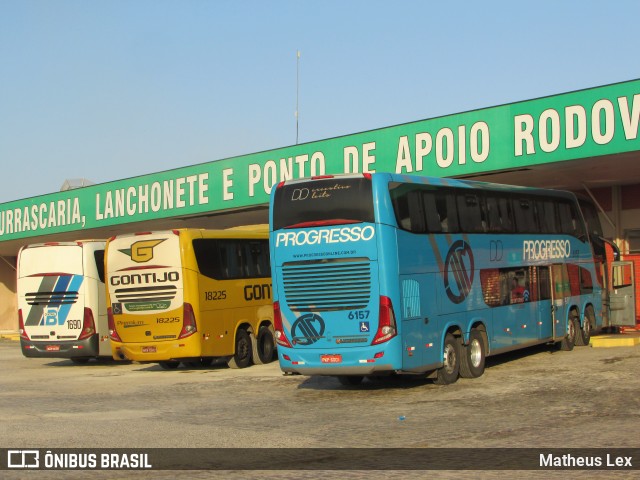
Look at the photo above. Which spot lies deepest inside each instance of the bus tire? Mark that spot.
(569, 339)
(448, 373)
(242, 356)
(472, 356)
(170, 364)
(350, 380)
(583, 336)
(264, 345)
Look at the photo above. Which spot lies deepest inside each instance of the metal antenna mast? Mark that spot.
(297, 90)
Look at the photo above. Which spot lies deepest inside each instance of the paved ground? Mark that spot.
(539, 398)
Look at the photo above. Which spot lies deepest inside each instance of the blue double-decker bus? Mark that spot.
(379, 273)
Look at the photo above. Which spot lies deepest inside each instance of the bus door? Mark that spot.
(544, 302)
(419, 331)
(560, 292)
(411, 324)
(622, 301)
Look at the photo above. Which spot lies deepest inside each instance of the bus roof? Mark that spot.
(258, 231)
(445, 182)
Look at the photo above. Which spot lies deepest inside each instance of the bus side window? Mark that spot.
(506, 215)
(586, 282)
(590, 214)
(448, 211)
(574, 279)
(470, 213)
(264, 259)
(259, 261)
(499, 216)
(208, 258)
(491, 286)
(561, 283)
(544, 283)
(242, 270)
(566, 223)
(420, 210)
(519, 287)
(493, 215)
(434, 222)
(227, 261)
(570, 222)
(255, 254)
(524, 215)
(546, 214)
(417, 215)
(533, 284)
(400, 205)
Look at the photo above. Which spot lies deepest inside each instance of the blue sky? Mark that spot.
(113, 89)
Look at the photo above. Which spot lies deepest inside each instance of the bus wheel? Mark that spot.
(242, 357)
(79, 360)
(170, 364)
(583, 336)
(264, 345)
(350, 380)
(448, 373)
(472, 356)
(570, 338)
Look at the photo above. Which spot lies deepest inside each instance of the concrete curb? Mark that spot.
(624, 339)
(9, 335)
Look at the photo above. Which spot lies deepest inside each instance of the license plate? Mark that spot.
(53, 348)
(151, 349)
(331, 358)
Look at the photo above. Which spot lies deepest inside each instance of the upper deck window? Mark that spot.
(423, 208)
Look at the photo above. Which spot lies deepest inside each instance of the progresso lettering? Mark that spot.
(325, 236)
(545, 249)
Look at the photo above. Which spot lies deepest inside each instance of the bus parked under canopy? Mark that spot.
(190, 296)
(381, 273)
(61, 300)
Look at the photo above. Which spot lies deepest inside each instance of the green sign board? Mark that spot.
(587, 123)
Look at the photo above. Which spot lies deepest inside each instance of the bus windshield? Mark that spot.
(329, 201)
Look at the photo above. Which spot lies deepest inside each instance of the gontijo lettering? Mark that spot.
(148, 277)
(330, 235)
(545, 249)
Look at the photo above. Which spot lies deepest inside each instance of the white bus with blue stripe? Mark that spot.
(62, 300)
(378, 274)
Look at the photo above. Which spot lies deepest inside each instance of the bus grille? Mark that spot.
(327, 284)
(51, 298)
(146, 294)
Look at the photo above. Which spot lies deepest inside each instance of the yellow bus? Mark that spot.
(190, 296)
